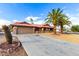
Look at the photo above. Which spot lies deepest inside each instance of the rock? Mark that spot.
(8, 50)
(0, 49)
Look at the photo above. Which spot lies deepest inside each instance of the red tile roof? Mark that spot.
(21, 23)
(31, 25)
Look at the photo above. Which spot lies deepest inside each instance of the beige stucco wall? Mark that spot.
(24, 30)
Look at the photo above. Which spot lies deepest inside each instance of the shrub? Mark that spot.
(7, 34)
(75, 28)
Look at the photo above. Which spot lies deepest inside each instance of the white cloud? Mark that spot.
(68, 14)
(38, 22)
(34, 18)
(13, 21)
(74, 18)
(4, 22)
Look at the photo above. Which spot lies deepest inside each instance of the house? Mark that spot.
(24, 27)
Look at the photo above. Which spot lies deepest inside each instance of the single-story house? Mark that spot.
(24, 27)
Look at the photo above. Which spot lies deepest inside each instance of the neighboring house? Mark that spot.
(24, 27)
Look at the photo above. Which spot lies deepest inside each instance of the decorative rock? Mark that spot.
(10, 50)
(19, 44)
(13, 44)
(0, 49)
(7, 49)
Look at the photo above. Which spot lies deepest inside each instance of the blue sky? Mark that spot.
(12, 12)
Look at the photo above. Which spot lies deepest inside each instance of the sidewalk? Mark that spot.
(47, 46)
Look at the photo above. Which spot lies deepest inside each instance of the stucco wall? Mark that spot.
(27, 30)
(23, 30)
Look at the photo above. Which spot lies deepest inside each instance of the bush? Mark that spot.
(7, 34)
(75, 28)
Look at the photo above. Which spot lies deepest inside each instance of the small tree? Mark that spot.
(75, 28)
(7, 34)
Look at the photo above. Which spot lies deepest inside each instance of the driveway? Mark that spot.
(40, 45)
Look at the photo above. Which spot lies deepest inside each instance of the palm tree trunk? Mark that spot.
(54, 29)
(54, 23)
(61, 25)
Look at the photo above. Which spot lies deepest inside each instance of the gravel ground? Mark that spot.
(19, 52)
(72, 38)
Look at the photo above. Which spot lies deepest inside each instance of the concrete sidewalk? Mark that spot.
(46, 46)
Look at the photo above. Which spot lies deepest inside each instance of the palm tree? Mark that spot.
(58, 19)
(63, 20)
(53, 17)
(31, 20)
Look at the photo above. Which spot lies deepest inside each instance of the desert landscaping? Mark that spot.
(71, 38)
(18, 52)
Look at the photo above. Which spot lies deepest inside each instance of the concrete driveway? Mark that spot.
(40, 45)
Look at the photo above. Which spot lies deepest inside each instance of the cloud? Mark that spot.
(37, 20)
(4, 22)
(74, 18)
(13, 21)
(34, 18)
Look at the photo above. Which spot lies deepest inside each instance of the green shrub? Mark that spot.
(75, 28)
(7, 34)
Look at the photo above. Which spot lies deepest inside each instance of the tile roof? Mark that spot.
(31, 25)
